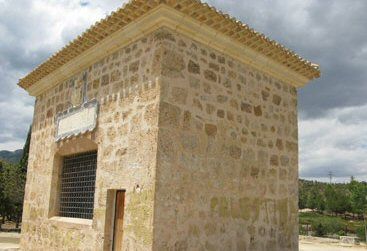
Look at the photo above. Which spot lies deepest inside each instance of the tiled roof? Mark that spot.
(197, 10)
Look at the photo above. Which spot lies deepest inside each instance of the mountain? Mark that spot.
(12, 157)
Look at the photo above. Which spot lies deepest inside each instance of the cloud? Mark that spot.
(30, 32)
(335, 143)
(16, 113)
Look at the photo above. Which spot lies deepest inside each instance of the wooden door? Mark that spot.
(119, 220)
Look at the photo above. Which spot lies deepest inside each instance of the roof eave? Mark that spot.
(166, 16)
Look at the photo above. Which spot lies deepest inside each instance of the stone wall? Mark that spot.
(227, 172)
(205, 146)
(125, 84)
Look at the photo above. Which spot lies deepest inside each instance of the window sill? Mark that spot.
(73, 223)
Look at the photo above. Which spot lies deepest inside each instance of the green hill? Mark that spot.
(12, 157)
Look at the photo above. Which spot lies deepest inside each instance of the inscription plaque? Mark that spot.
(77, 120)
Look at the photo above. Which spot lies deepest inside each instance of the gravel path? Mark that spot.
(9, 242)
(328, 247)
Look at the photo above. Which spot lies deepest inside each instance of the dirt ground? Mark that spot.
(9, 241)
(327, 247)
(324, 244)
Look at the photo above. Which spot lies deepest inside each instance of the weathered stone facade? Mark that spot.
(126, 85)
(227, 167)
(205, 146)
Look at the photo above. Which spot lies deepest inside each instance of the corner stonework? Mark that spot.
(227, 163)
(126, 86)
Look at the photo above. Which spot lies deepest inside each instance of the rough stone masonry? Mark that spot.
(205, 146)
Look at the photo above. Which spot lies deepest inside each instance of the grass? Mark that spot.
(326, 225)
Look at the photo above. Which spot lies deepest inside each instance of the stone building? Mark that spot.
(166, 126)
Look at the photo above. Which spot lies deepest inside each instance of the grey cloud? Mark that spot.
(30, 32)
(20, 30)
(4, 138)
(338, 170)
(354, 116)
(336, 142)
(84, 3)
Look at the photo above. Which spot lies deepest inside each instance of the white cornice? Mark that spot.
(164, 16)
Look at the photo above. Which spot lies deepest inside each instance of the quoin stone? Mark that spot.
(195, 145)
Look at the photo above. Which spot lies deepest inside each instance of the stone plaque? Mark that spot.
(77, 120)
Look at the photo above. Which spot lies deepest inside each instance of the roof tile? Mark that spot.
(193, 8)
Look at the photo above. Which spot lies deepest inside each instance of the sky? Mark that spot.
(332, 33)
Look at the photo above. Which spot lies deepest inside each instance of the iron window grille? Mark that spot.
(78, 185)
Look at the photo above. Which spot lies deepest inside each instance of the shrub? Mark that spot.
(360, 231)
(320, 230)
(333, 226)
(341, 233)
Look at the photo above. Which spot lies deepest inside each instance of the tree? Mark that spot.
(302, 197)
(358, 192)
(12, 184)
(13, 180)
(311, 200)
(24, 160)
(2, 196)
(315, 199)
(342, 200)
(330, 196)
(320, 202)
